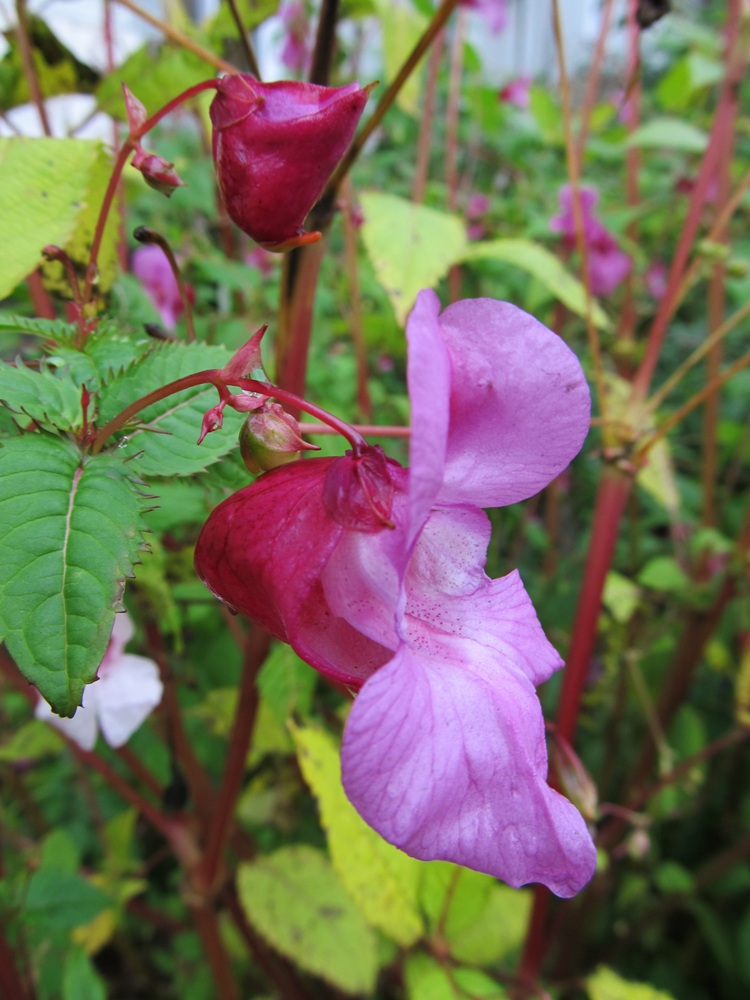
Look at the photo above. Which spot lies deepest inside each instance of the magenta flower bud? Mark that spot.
(157, 173)
(270, 437)
(275, 145)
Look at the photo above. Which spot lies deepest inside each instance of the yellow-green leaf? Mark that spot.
(411, 246)
(402, 28)
(605, 984)
(381, 879)
(295, 901)
(544, 266)
(43, 189)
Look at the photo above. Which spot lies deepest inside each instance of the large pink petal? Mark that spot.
(519, 404)
(446, 759)
(429, 376)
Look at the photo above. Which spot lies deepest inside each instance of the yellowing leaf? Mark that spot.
(402, 28)
(295, 901)
(605, 984)
(411, 246)
(545, 267)
(43, 190)
(380, 879)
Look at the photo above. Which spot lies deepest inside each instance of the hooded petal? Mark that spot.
(126, 695)
(263, 551)
(519, 402)
(445, 757)
(275, 145)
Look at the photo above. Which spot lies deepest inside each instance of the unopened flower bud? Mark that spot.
(157, 173)
(575, 781)
(213, 420)
(275, 145)
(270, 437)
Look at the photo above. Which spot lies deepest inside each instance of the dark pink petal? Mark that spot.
(445, 757)
(263, 551)
(519, 402)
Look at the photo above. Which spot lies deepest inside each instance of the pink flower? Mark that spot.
(516, 92)
(151, 267)
(655, 279)
(477, 207)
(298, 41)
(126, 692)
(608, 265)
(275, 145)
(375, 575)
(494, 12)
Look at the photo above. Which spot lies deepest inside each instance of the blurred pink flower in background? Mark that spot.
(608, 265)
(516, 92)
(495, 12)
(478, 206)
(151, 267)
(298, 40)
(655, 279)
(127, 691)
(262, 260)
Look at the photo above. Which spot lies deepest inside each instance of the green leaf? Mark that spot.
(411, 246)
(222, 26)
(381, 879)
(286, 683)
(426, 979)
(621, 597)
(657, 477)
(155, 77)
(30, 742)
(78, 244)
(669, 133)
(165, 441)
(70, 532)
(80, 980)
(402, 28)
(50, 329)
(543, 265)
(664, 573)
(49, 400)
(605, 984)
(482, 920)
(43, 188)
(59, 900)
(295, 901)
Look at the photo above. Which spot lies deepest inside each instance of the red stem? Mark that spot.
(614, 489)
(42, 302)
(594, 76)
(11, 984)
(736, 60)
(352, 273)
(117, 169)
(425, 126)
(29, 69)
(256, 651)
(218, 378)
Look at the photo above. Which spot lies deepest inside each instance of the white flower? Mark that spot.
(127, 691)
